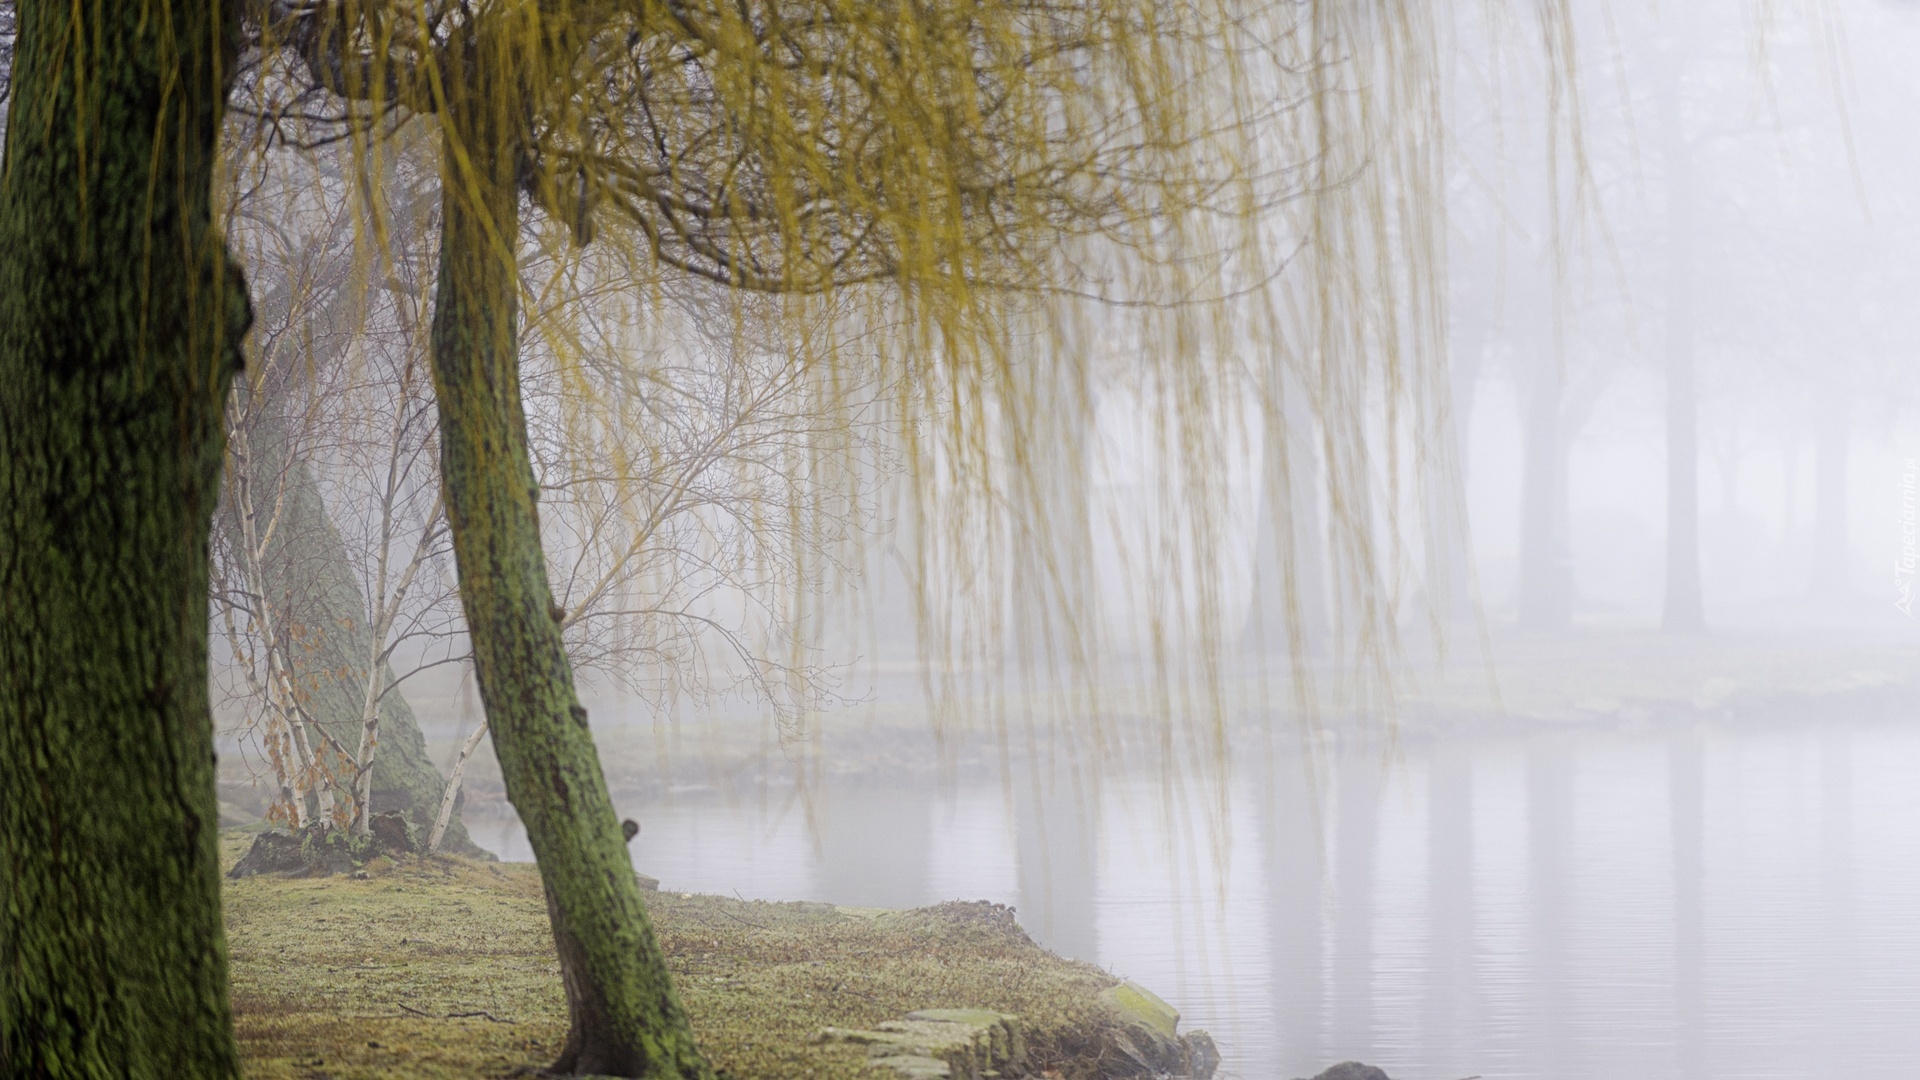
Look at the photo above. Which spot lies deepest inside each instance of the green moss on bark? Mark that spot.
(120, 318)
(625, 1017)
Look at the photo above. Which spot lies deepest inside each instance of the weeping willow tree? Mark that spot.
(973, 174)
(786, 148)
(977, 174)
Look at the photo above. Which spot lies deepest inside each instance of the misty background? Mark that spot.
(1631, 793)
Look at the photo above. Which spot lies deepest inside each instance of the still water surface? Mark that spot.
(1723, 903)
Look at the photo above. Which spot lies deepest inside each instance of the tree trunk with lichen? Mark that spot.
(626, 1019)
(120, 320)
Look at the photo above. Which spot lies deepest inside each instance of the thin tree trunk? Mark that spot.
(120, 321)
(626, 1018)
(279, 735)
(1830, 497)
(452, 797)
(1449, 547)
(1684, 611)
(1546, 561)
(309, 779)
(362, 822)
(384, 609)
(310, 565)
(303, 777)
(379, 678)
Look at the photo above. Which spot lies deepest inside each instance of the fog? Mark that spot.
(1566, 731)
(1600, 839)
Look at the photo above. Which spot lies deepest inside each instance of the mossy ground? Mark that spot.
(345, 978)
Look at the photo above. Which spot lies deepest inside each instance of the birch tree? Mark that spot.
(328, 417)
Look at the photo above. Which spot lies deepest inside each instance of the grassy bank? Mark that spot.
(444, 968)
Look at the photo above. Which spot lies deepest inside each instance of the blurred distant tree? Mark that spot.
(1518, 196)
(1684, 608)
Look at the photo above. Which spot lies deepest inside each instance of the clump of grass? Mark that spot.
(444, 967)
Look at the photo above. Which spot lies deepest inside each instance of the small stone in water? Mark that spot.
(1353, 1070)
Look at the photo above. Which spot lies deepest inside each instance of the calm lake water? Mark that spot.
(1713, 903)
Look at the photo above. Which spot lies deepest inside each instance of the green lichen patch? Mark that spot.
(444, 967)
(1139, 1006)
(960, 1044)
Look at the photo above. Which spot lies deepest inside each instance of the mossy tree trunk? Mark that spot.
(626, 1018)
(120, 318)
